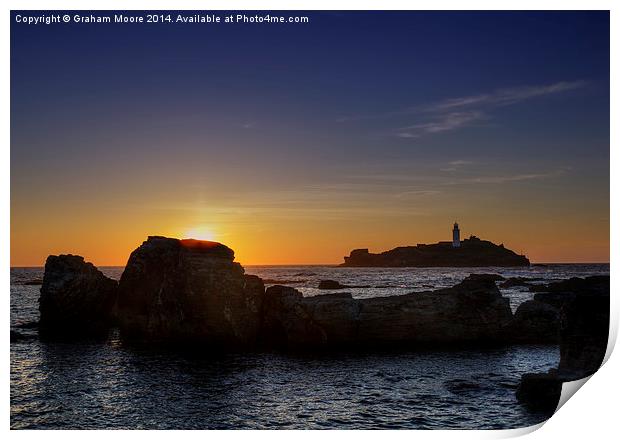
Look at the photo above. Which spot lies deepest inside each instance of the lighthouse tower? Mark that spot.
(456, 236)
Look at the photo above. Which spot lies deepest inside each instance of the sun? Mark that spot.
(201, 233)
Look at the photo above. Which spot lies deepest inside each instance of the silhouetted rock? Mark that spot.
(473, 252)
(537, 287)
(485, 277)
(330, 285)
(584, 326)
(584, 329)
(470, 313)
(290, 320)
(535, 322)
(595, 284)
(540, 391)
(186, 291)
(555, 299)
(35, 282)
(76, 299)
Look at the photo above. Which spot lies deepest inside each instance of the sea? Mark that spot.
(112, 386)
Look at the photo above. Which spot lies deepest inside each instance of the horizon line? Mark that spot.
(356, 267)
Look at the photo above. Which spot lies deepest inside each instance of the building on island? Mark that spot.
(456, 236)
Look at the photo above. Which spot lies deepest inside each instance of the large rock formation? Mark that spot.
(185, 291)
(76, 299)
(470, 313)
(535, 322)
(584, 325)
(473, 252)
(584, 329)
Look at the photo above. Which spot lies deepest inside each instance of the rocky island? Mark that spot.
(471, 252)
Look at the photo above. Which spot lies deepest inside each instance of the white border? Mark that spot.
(592, 413)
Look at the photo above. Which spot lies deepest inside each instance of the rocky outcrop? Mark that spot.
(187, 291)
(470, 313)
(540, 391)
(535, 322)
(76, 299)
(584, 329)
(473, 252)
(584, 326)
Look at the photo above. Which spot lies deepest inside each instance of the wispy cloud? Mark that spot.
(443, 122)
(460, 162)
(456, 164)
(507, 96)
(512, 177)
(460, 112)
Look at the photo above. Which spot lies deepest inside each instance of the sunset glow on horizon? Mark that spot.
(295, 144)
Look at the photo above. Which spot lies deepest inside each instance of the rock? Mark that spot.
(555, 299)
(473, 252)
(470, 313)
(584, 329)
(540, 391)
(188, 291)
(537, 287)
(535, 322)
(330, 285)
(593, 285)
(35, 282)
(76, 300)
(292, 321)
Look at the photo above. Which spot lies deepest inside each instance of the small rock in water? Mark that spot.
(331, 285)
(35, 282)
(485, 277)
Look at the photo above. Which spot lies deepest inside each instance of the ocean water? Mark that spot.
(108, 385)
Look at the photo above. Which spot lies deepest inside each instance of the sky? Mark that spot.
(296, 143)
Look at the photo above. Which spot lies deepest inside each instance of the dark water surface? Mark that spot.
(113, 386)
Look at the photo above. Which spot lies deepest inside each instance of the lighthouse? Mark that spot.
(456, 236)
